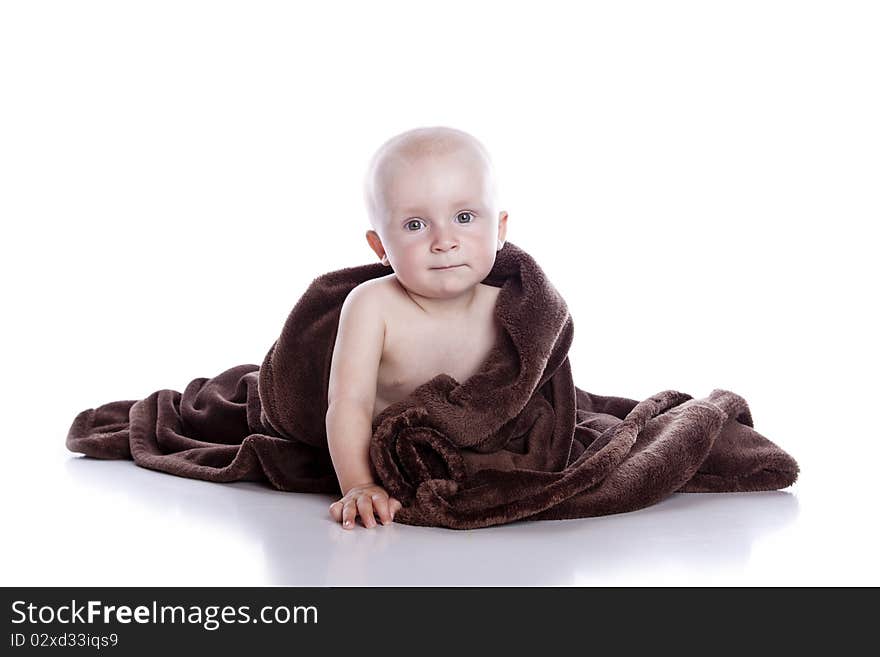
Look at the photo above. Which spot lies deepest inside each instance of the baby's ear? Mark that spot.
(502, 228)
(375, 242)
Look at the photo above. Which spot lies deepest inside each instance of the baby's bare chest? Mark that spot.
(417, 349)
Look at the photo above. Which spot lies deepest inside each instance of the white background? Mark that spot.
(698, 179)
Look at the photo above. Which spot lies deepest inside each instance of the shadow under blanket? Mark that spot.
(517, 440)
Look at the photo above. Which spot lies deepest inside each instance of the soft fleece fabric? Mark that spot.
(518, 440)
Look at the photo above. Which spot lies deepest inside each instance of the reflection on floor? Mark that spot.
(117, 523)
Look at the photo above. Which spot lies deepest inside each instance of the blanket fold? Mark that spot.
(517, 440)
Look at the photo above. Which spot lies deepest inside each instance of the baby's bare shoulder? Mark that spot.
(357, 351)
(377, 284)
(384, 292)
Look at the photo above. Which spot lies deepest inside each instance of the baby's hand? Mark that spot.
(362, 500)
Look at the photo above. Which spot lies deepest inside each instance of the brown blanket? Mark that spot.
(517, 440)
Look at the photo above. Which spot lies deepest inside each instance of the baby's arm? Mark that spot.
(351, 396)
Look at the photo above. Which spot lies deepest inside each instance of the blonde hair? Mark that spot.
(412, 145)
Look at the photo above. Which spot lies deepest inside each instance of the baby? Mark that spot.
(432, 201)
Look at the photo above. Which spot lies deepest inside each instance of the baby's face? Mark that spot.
(437, 212)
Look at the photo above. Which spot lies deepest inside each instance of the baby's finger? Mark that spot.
(365, 508)
(395, 506)
(336, 511)
(380, 502)
(349, 513)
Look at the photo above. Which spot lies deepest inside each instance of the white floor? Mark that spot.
(81, 521)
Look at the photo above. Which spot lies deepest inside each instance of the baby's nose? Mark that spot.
(445, 242)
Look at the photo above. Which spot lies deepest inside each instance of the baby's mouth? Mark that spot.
(449, 267)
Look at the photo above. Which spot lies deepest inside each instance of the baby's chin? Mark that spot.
(440, 284)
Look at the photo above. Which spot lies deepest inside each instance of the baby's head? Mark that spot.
(432, 200)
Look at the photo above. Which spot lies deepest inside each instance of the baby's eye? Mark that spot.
(467, 214)
(413, 221)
